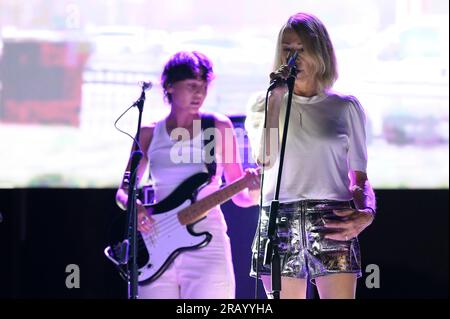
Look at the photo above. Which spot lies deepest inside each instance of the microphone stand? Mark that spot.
(136, 156)
(272, 244)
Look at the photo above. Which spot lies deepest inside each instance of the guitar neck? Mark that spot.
(201, 207)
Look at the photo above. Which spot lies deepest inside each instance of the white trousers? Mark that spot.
(205, 273)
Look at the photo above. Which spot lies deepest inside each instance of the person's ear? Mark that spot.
(169, 88)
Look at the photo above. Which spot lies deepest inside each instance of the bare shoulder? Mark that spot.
(147, 134)
(221, 121)
(148, 129)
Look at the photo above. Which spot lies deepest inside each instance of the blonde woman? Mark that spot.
(326, 199)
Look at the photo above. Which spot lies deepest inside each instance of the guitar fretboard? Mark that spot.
(201, 207)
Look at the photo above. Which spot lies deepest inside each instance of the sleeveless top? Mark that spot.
(172, 162)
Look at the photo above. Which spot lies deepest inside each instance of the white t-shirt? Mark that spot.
(326, 139)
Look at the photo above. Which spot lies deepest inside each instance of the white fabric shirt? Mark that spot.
(326, 139)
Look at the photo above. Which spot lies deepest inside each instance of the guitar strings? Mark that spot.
(167, 220)
(200, 204)
(158, 231)
(170, 223)
(162, 227)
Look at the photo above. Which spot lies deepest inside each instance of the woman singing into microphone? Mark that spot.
(326, 199)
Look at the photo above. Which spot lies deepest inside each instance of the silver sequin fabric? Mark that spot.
(304, 252)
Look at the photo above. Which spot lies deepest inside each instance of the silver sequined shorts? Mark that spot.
(304, 252)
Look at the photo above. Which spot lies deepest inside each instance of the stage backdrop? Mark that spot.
(45, 230)
(69, 69)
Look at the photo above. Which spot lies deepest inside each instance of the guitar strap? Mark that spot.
(207, 121)
(209, 144)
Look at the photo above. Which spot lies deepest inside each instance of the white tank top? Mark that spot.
(172, 162)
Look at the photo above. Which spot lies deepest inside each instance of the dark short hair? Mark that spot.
(186, 65)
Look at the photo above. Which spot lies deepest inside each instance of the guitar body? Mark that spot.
(168, 238)
(166, 241)
(172, 230)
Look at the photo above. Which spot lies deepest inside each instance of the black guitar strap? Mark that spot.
(208, 121)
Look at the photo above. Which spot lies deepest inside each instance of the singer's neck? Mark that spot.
(306, 89)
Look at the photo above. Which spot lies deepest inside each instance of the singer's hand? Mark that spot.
(279, 77)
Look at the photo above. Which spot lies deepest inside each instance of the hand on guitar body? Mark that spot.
(145, 219)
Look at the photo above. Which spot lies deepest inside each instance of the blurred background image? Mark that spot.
(68, 69)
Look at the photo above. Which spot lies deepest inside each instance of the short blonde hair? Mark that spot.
(316, 43)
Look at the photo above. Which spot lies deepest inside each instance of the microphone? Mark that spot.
(292, 66)
(145, 85)
(292, 59)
